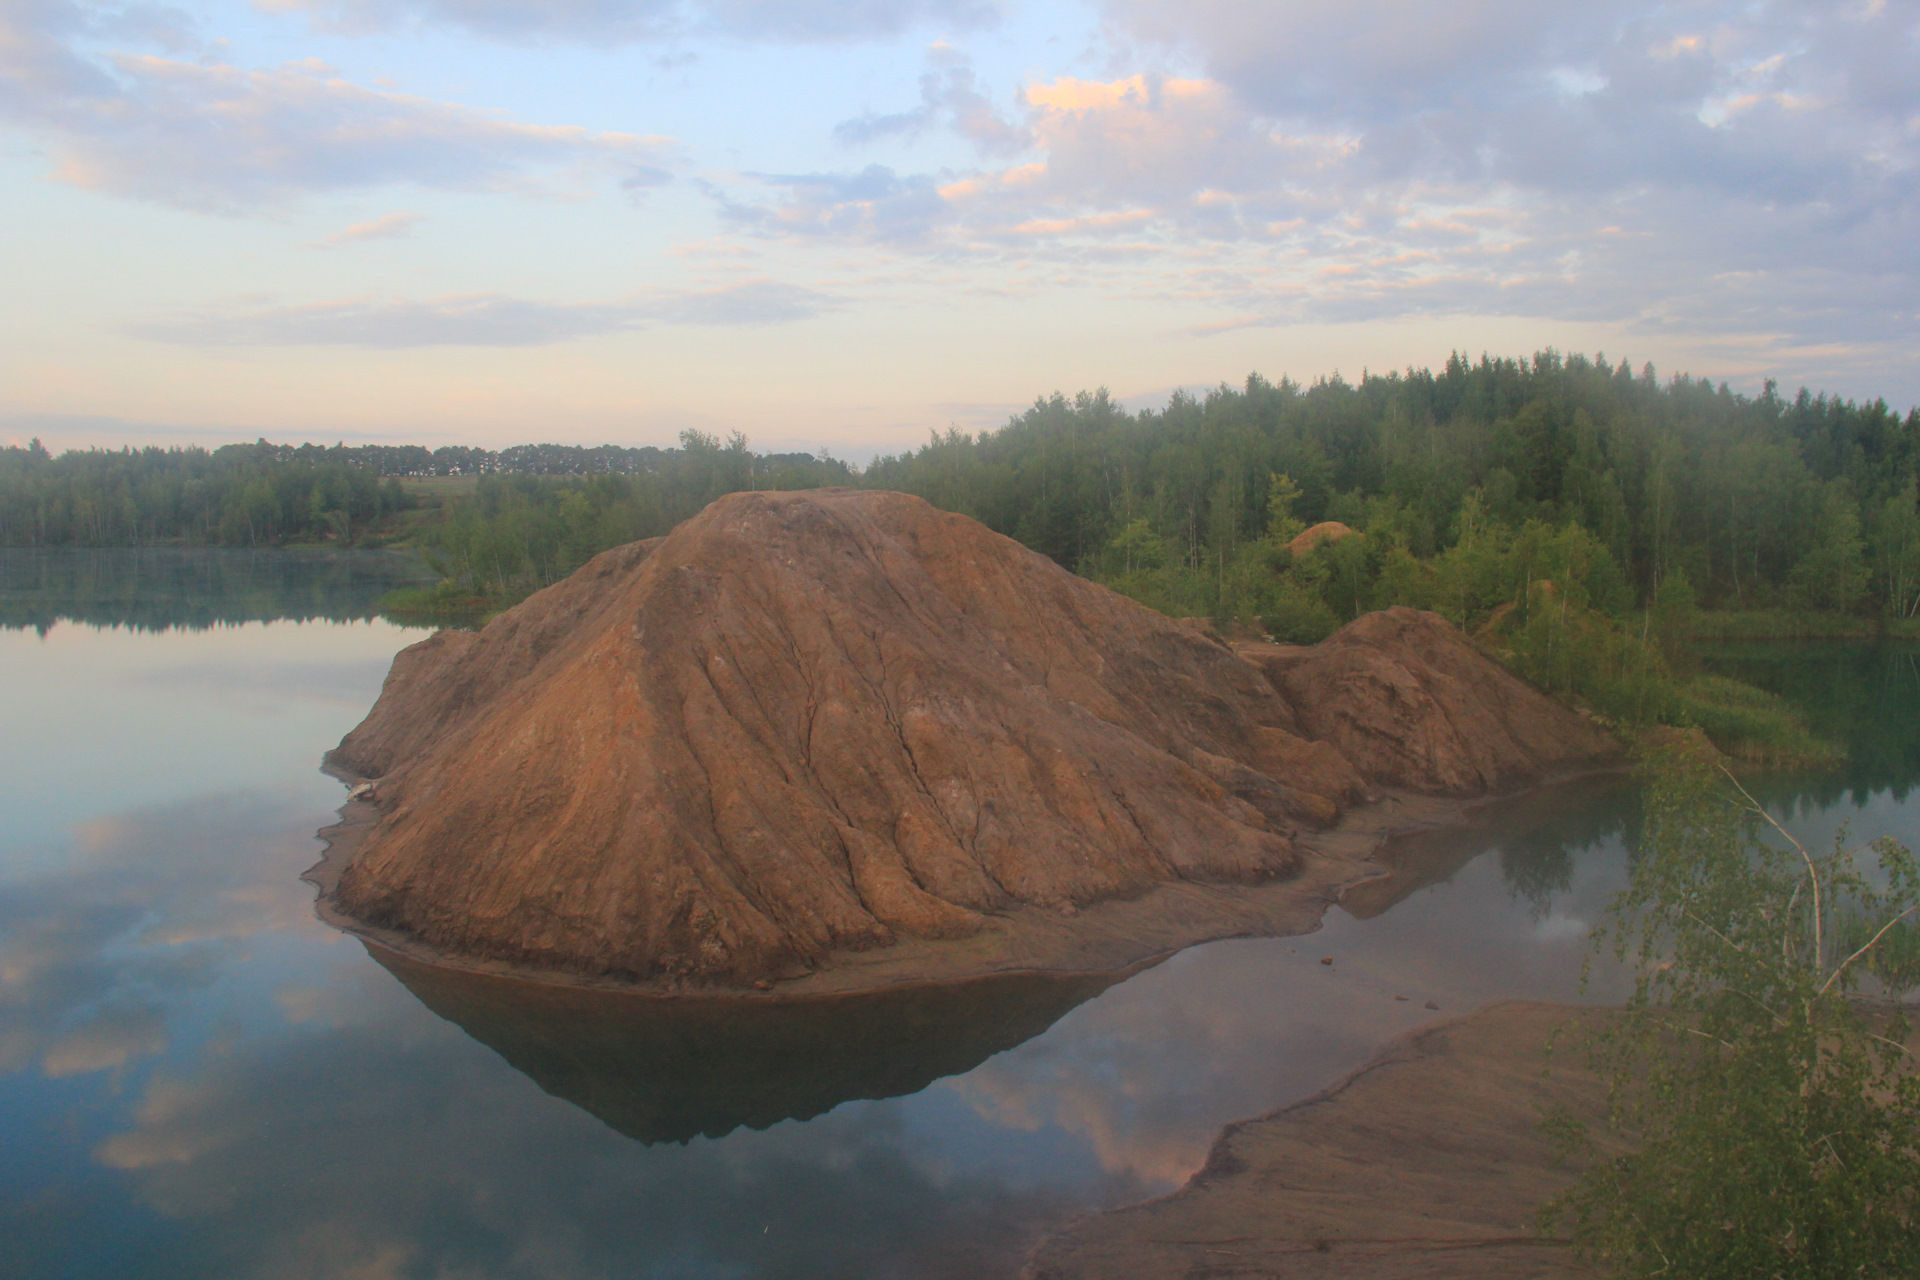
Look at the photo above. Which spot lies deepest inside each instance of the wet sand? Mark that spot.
(1427, 1162)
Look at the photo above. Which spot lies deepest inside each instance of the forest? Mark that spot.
(1758, 502)
(1580, 518)
(262, 495)
(236, 496)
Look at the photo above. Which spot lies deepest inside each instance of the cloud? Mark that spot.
(1148, 1073)
(481, 319)
(1711, 168)
(646, 21)
(208, 136)
(242, 1047)
(388, 226)
(1122, 157)
(1369, 59)
(950, 97)
(875, 204)
(442, 1160)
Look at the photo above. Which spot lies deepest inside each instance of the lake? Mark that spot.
(197, 1078)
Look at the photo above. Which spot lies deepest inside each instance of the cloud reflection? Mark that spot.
(152, 903)
(329, 1125)
(1148, 1074)
(385, 1142)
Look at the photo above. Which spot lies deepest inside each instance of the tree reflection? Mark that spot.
(1864, 696)
(162, 588)
(1538, 835)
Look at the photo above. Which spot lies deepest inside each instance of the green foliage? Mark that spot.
(1296, 615)
(1283, 498)
(240, 495)
(1755, 502)
(1896, 551)
(517, 533)
(1833, 572)
(1468, 483)
(1750, 723)
(1774, 1117)
(446, 602)
(1779, 624)
(1549, 599)
(1864, 697)
(273, 495)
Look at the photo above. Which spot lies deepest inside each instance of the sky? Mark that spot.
(847, 225)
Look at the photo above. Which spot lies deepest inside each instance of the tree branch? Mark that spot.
(1867, 946)
(1819, 940)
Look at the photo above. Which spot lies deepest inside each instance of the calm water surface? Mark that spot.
(199, 1079)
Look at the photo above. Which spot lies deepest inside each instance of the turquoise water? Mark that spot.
(199, 1079)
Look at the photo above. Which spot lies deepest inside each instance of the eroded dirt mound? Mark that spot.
(1411, 702)
(815, 723)
(805, 722)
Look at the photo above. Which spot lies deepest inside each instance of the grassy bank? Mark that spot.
(1636, 679)
(1751, 724)
(447, 603)
(1787, 624)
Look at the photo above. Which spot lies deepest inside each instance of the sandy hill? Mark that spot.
(813, 724)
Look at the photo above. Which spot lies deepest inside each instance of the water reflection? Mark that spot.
(160, 588)
(197, 1078)
(1864, 696)
(103, 721)
(383, 1147)
(152, 908)
(666, 1070)
(204, 1080)
(1538, 837)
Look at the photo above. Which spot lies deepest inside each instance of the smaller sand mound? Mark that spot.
(1325, 531)
(1411, 702)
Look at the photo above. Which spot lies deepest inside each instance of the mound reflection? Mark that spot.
(669, 1070)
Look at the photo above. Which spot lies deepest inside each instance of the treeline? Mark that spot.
(1573, 516)
(1758, 502)
(540, 459)
(262, 494)
(1467, 484)
(247, 495)
(517, 533)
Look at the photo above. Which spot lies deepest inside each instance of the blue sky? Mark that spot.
(494, 221)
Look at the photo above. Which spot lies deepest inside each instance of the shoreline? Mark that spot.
(1427, 1161)
(1100, 939)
